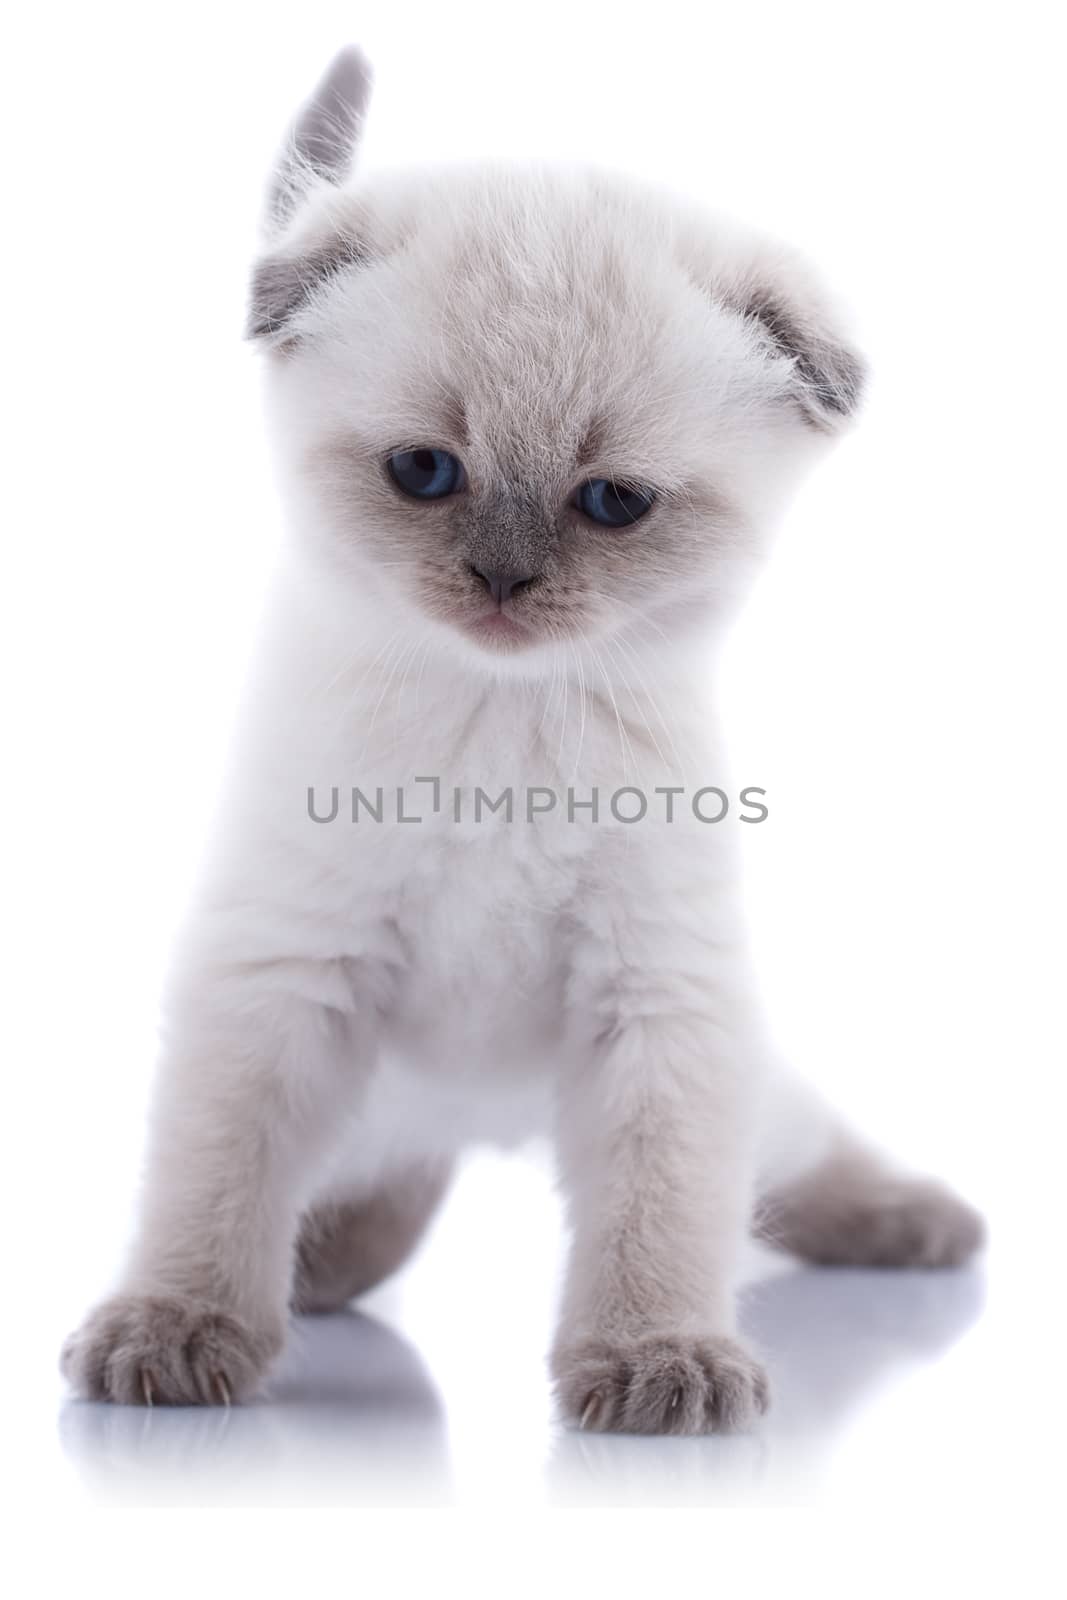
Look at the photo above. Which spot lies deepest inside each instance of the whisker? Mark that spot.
(622, 645)
(624, 738)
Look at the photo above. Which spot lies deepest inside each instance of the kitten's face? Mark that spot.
(517, 412)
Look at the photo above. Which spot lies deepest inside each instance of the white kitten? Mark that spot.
(535, 427)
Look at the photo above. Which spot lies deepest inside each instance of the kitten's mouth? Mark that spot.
(498, 630)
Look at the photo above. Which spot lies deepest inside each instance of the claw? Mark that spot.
(146, 1387)
(590, 1412)
(676, 1399)
(221, 1388)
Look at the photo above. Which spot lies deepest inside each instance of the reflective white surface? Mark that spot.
(433, 1392)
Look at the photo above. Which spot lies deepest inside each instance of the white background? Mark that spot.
(896, 685)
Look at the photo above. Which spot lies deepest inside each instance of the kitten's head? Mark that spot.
(524, 406)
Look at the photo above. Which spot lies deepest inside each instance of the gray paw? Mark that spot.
(155, 1350)
(851, 1211)
(660, 1385)
(918, 1224)
(894, 1222)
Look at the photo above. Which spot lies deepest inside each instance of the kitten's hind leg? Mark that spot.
(348, 1246)
(847, 1205)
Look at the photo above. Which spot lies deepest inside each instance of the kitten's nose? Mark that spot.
(502, 585)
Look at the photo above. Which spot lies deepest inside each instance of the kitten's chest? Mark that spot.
(485, 922)
(478, 839)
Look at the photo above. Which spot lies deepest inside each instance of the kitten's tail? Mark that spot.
(322, 141)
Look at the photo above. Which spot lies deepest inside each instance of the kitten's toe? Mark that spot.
(156, 1350)
(660, 1385)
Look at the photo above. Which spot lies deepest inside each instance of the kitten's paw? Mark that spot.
(659, 1385)
(918, 1224)
(845, 1218)
(155, 1350)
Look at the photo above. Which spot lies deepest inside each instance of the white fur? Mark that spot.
(353, 1000)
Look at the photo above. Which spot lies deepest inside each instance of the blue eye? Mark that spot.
(613, 505)
(426, 474)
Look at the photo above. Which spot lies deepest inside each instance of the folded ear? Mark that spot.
(285, 281)
(776, 294)
(828, 374)
(319, 150)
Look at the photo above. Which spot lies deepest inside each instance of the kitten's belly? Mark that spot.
(430, 1097)
(483, 1014)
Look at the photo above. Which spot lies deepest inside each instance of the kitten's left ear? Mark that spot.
(318, 151)
(777, 295)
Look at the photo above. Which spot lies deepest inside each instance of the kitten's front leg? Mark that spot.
(656, 1138)
(255, 1078)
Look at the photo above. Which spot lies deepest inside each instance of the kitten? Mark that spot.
(535, 428)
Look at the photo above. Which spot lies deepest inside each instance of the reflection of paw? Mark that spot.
(145, 1350)
(659, 1385)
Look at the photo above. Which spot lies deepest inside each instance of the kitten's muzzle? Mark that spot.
(503, 585)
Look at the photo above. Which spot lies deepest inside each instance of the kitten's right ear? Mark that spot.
(319, 150)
